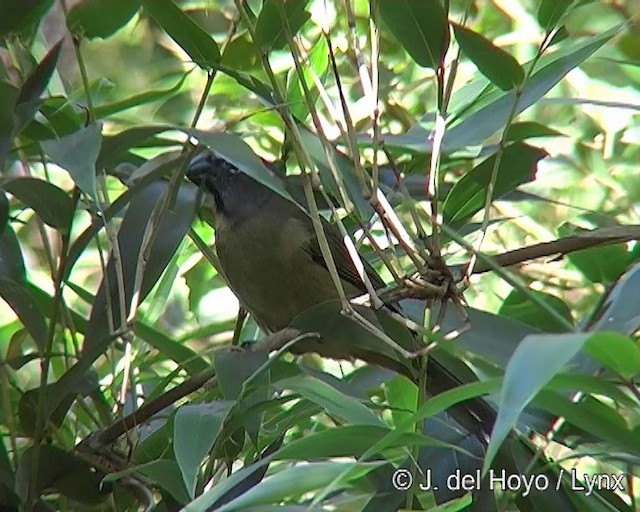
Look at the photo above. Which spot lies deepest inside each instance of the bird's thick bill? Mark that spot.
(201, 166)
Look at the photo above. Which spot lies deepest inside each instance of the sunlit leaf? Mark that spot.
(420, 27)
(184, 31)
(519, 306)
(536, 360)
(550, 11)
(493, 62)
(517, 166)
(100, 18)
(270, 31)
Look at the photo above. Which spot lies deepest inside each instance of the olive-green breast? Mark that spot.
(269, 267)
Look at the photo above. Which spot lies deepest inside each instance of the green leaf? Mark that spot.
(241, 54)
(166, 474)
(28, 101)
(519, 306)
(474, 129)
(171, 229)
(100, 18)
(62, 117)
(493, 62)
(536, 360)
(269, 31)
(629, 44)
(195, 430)
(219, 493)
(8, 96)
(593, 417)
(468, 195)
(4, 212)
(115, 147)
(615, 351)
(180, 353)
(163, 472)
(77, 154)
(558, 36)
(345, 441)
(80, 243)
(52, 204)
(492, 337)
(44, 301)
(109, 109)
(530, 129)
(318, 65)
(619, 309)
(330, 399)
(550, 11)
(28, 409)
(183, 30)
(402, 395)
(421, 27)
(593, 384)
(26, 309)
(233, 368)
(295, 482)
(601, 264)
(17, 108)
(11, 260)
(16, 15)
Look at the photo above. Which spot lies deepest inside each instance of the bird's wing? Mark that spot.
(344, 264)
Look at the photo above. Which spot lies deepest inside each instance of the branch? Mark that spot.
(562, 246)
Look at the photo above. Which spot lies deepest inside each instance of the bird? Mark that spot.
(271, 259)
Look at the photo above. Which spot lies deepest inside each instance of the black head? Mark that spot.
(235, 194)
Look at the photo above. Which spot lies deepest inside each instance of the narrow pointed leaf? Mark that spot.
(51, 204)
(467, 196)
(421, 27)
(550, 11)
(100, 18)
(270, 24)
(536, 360)
(202, 49)
(493, 62)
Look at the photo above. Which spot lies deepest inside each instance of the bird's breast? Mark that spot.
(268, 267)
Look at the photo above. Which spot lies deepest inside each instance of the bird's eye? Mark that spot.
(221, 165)
(226, 166)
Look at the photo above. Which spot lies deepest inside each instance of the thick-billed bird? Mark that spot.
(271, 259)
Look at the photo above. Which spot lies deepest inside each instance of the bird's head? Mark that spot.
(235, 194)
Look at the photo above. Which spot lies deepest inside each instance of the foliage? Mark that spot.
(488, 126)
